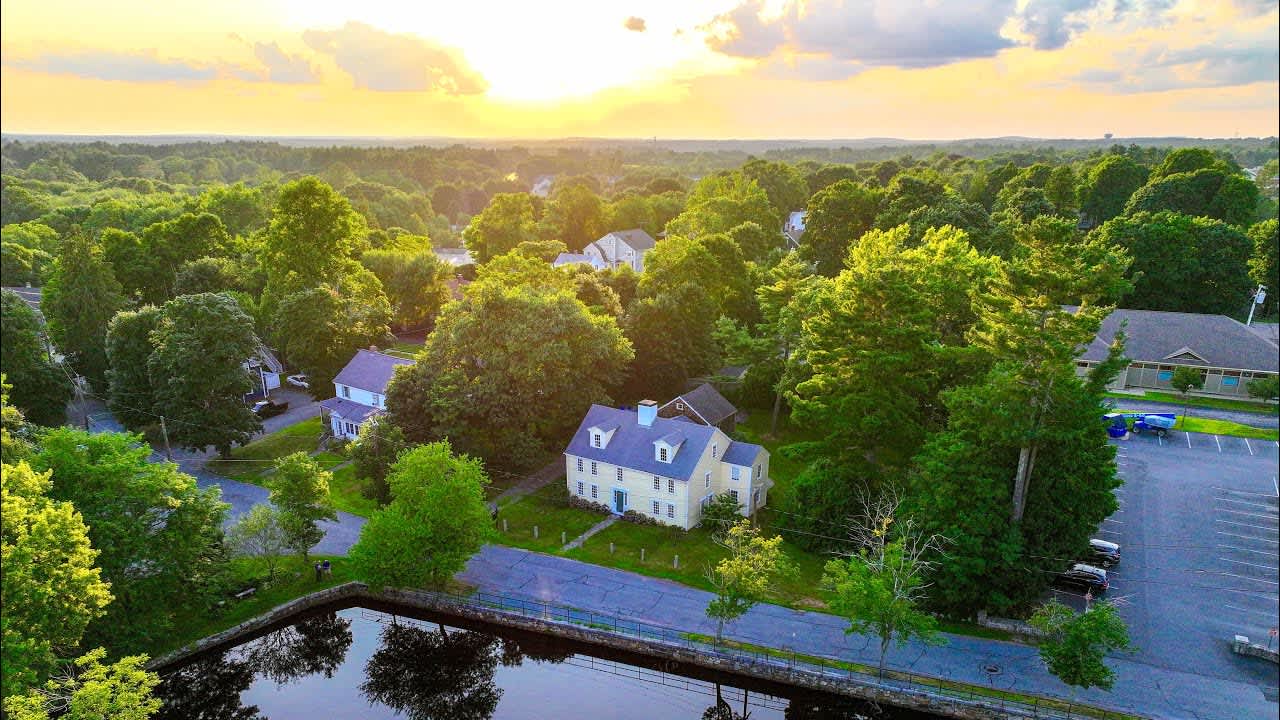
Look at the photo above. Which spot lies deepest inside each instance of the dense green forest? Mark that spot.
(924, 300)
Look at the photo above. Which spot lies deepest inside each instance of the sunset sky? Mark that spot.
(931, 69)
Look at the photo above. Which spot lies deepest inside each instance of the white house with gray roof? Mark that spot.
(624, 247)
(1228, 354)
(360, 391)
(666, 468)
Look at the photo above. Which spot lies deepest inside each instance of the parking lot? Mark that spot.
(1198, 528)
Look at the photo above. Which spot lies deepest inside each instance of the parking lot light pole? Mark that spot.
(1259, 297)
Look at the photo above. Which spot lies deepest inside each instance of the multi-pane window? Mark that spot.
(715, 451)
(671, 485)
(618, 474)
(594, 492)
(756, 500)
(733, 471)
(656, 508)
(595, 439)
(758, 471)
(595, 470)
(579, 464)
(657, 483)
(706, 480)
(580, 492)
(346, 391)
(734, 494)
(662, 454)
(671, 511)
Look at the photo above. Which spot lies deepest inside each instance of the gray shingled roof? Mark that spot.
(741, 453)
(708, 403)
(370, 370)
(1155, 337)
(632, 445)
(348, 409)
(638, 239)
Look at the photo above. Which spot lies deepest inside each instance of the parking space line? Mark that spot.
(1118, 522)
(1215, 439)
(1246, 502)
(1255, 527)
(1244, 492)
(1246, 444)
(1273, 541)
(1246, 577)
(1249, 610)
(1248, 514)
(1188, 437)
(1108, 532)
(1256, 594)
(1241, 562)
(1256, 552)
(1160, 440)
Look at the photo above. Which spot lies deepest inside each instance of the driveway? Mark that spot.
(301, 407)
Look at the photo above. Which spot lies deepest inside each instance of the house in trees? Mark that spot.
(667, 468)
(567, 259)
(360, 391)
(793, 228)
(1227, 353)
(265, 369)
(703, 405)
(624, 247)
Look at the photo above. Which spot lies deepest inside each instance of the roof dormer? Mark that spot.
(666, 447)
(599, 437)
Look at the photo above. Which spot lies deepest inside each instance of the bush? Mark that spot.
(1265, 388)
(721, 513)
(574, 501)
(632, 516)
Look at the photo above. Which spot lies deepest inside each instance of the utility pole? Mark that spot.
(164, 430)
(1259, 297)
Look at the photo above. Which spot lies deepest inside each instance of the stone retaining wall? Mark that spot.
(1241, 646)
(1024, 631)
(355, 593)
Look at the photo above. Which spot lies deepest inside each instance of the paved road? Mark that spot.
(1269, 420)
(1140, 687)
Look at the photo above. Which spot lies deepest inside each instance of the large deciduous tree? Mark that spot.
(121, 690)
(414, 282)
(504, 223)
(508, 371)
(1181, 263)
(1264, 262)
(782, 183)
(436, 521)
(130, 391)
(313, 233)
(574, 215)
(40, 388)
(51, 589)
(300, 489)
(1077, 644)
(159, 537)
(197, 370)
(79, 301)
(743, 577)
(838, 215)
(672, 334)
(721, 202)
(1107, 186)
(1209, 192)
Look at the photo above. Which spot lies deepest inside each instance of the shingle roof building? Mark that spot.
(632, 444)
(1186, 339)
(704, 404)
(370, 370)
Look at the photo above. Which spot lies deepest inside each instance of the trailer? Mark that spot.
(1157, 423)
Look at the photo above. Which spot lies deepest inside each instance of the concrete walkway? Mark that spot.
(1140, 688)
(577, 542)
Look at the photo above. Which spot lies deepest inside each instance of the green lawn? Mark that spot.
(248, 462)
(1208, 402)
(406, 349)
(545, 509)
(346, 492)
(1226, 427)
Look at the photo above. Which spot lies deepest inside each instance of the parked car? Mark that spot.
(298, 381)
(269, 408)
(1082, 577)
(1103, 554)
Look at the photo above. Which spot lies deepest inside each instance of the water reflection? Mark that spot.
(359, 663)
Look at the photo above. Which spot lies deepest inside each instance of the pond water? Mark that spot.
(361, 663)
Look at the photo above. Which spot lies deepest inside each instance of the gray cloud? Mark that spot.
(1052, 23)
(1257, 7)
(900, 33)
(1224, 62)
(383, 61)
(283, 67)
(634, 24)
(127, 67)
